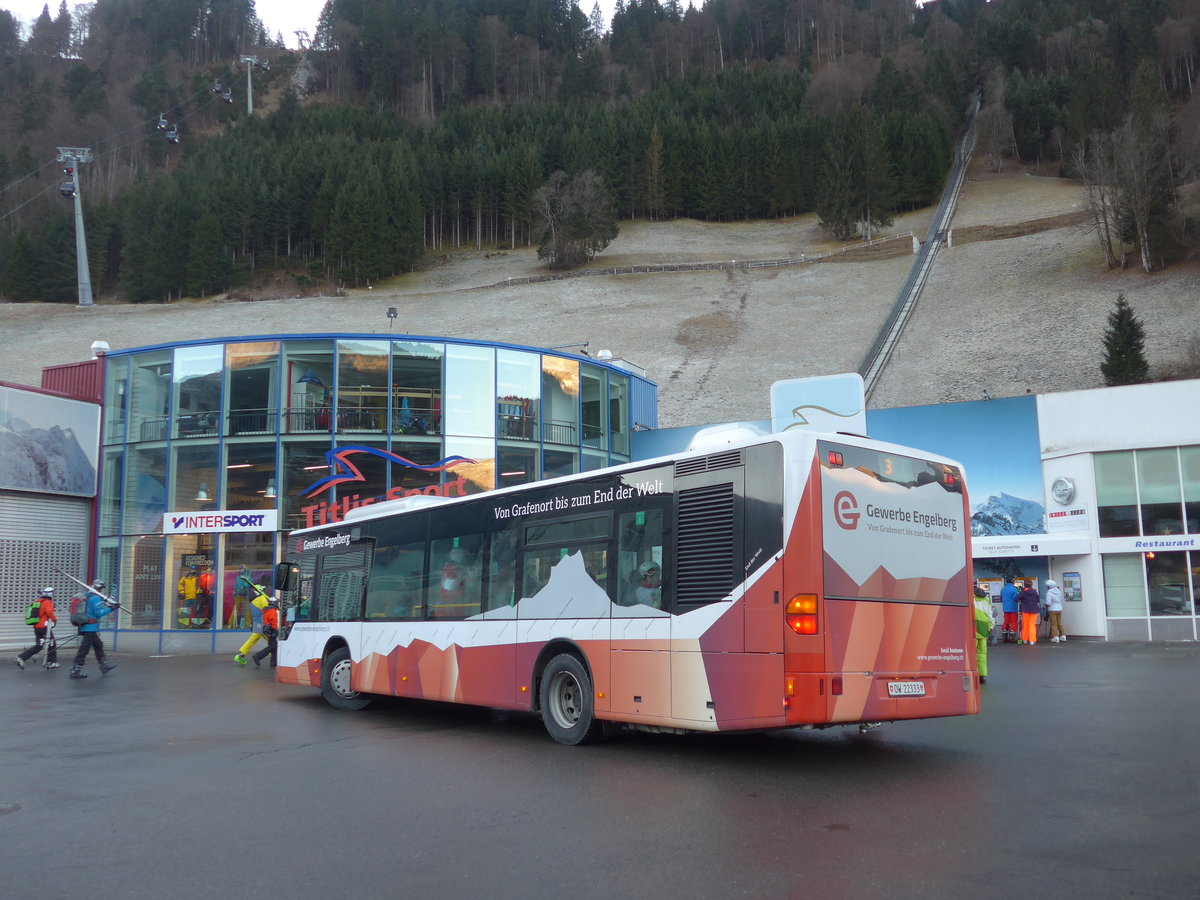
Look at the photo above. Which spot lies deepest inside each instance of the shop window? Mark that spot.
(191, 581)
(248, 556)
(1116, 495)
(515, 465)
(618, 414)
(470, 389)
(559, 462)
(1124, 585)
(560, 401)
(1189, 463)
(476, 475)
(252, 384)
(197, 387)
(362, 388)
(110, 490)
(1167, 582)
(145, 490)
(116, 396)
(196, 478)
(518, 395)
(593, 406)
(150, 396)
(417, 388)
(374, 471)
(308, 385)
(251, 480)
(303, 465)
(1158, 491)
(590, 461)
(141, 581)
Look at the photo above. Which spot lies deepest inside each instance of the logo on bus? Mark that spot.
(845, 510)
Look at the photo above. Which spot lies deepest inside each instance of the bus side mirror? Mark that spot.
(287, 576)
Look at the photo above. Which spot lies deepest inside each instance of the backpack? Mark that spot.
(79, 614)
(34, 613)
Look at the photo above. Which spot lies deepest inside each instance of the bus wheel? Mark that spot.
(567, 703)
(335, 682)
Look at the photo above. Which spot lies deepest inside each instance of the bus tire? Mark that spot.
(567, 702)
(335, 682)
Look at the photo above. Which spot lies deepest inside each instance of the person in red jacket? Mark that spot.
(43, 633)
(270, 630)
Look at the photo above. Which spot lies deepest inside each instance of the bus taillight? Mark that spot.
(801, 614)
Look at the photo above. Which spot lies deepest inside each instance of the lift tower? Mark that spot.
(72, 158)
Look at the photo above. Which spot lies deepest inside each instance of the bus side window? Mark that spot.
(395, 588)
(639, 542)
(455, 588)
(502, 570)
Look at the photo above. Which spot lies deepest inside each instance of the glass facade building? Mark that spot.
(212, 451)
(1152, 494)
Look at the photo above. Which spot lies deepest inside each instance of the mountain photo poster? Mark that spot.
(996, 441)
(48, 443)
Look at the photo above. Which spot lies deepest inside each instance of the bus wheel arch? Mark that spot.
(335, 678)
(566, 698)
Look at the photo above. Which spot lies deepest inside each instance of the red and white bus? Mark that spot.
(754, 582)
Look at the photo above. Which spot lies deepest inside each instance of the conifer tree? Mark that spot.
(1124, 347)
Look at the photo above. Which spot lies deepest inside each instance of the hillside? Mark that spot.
(1010, 314)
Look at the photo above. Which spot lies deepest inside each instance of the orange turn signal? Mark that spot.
(801, 614)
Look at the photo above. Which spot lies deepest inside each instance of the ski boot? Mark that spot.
(106, 667)
(77, 672)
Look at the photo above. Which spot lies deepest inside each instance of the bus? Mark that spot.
(754, 582)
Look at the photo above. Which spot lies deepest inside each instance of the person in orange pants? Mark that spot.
(1030, 604)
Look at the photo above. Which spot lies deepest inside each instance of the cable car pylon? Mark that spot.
(73, 158)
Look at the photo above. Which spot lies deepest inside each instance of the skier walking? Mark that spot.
(43, 632)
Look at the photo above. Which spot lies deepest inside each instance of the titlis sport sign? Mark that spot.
(226, 520)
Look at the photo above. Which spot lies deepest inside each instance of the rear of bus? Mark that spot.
(877, 573)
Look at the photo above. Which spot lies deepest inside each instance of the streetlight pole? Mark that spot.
(74, 157)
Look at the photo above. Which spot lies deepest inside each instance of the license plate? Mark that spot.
(906, 689)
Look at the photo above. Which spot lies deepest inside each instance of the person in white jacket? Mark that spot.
(1054, 605)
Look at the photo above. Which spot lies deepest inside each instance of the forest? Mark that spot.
(404, 128)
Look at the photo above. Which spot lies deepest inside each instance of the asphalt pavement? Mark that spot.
(190, 777)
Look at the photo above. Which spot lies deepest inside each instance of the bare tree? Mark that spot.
(578, 219)
(1092, 163)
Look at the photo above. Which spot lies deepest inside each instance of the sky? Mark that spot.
(286, 16)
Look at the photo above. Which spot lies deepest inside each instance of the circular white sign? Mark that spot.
(1062, 489)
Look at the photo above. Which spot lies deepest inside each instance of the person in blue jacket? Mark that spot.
(98, 606)
(1008, 601)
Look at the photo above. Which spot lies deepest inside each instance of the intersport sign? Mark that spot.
(227, 520)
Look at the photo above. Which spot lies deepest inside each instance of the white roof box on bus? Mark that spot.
(393, 506)
(715, 437)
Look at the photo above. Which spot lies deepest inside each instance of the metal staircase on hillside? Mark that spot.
(889, 334)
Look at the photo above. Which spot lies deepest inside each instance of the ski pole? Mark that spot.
(87, 587)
